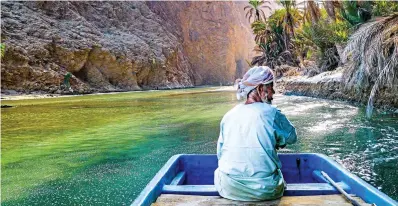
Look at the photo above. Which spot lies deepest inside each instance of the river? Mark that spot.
(104, 149)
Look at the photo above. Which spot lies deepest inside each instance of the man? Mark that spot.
(248, 165)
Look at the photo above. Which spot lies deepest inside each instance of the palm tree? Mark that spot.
(274, 37)
(272, 48)
(291, 16)
(356, 12)
(311, 12)
(260, 30)
(255, 7)
(288, 19)
(332, 8)
(373, 51)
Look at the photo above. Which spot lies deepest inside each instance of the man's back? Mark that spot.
(249, 168)
(248, 141)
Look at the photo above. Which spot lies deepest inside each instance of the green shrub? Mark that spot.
(384, 8)
(67, 77)
(2, 49)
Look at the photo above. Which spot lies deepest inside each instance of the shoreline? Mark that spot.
(283, 86)
(27, 96)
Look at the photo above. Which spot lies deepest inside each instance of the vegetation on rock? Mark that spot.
(255, 8)
(2, 49)
(361, 36)
(273, 36)
(373, 51)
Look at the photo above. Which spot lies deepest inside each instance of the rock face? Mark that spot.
(119, 46)
(324, 85)
(330, 85)
(217, 38)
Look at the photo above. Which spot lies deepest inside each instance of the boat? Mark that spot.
(191, 175)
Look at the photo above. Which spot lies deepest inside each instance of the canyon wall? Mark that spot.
(122, 46)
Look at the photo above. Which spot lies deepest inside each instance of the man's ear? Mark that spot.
(269, 88)
(261, 88)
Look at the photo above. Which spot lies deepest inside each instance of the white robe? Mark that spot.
(248, 165)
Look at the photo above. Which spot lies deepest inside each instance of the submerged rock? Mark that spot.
(9, 92)
(6, 106)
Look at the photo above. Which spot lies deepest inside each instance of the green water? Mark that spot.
(104, 149)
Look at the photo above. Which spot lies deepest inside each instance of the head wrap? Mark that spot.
(255, 76)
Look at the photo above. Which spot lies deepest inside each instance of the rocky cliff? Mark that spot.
(119, 46)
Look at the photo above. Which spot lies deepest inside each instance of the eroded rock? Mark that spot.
(119, 46)
(330, 85)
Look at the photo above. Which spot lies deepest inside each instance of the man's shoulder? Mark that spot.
(268, 107)
(233, 110)
(266, 111)
(252, 108)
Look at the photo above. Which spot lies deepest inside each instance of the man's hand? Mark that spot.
(280, 146)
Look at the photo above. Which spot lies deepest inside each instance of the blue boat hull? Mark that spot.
(194, 175)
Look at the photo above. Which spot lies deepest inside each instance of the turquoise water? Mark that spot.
(104, 149)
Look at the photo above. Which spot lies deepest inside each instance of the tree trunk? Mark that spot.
(340, 50)
(258, 15)
(329, 7)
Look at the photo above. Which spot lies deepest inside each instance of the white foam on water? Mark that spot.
(301, 108)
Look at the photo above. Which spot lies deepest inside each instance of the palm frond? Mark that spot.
(250, 16)
(266, 7)
(248, 13)
(331, 7)
(314, 11)
(263, 16)
(373, 54)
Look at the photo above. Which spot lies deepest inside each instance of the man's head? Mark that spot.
(262, 93)
(257, 84)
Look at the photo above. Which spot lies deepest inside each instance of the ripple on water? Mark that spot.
(104, 170)
(368, 148)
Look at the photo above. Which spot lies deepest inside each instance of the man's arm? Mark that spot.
(220, 141)
(285, 133)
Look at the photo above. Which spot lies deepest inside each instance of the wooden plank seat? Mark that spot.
(193, 200)
(302, 189)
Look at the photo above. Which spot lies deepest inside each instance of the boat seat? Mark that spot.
(207, 190)
(302, 189)
(324, 200)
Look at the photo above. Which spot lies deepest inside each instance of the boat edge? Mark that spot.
(158, 180)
